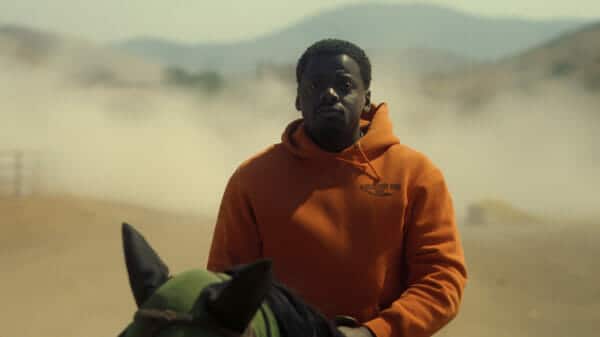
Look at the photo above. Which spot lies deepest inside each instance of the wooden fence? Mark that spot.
(19, 172)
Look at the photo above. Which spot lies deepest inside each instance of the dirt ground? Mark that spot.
(64, 274)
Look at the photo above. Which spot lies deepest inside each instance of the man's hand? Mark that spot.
(355, 332)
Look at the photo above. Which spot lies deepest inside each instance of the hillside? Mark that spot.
(572, 59)
(75, 61)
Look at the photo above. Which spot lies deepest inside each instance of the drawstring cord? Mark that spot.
(362, 152)
(376, 175)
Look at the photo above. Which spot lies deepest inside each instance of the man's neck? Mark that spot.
(336, 142)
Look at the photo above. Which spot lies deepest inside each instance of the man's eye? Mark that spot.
(346, 85)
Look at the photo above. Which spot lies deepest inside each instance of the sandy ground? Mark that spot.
(64, 275)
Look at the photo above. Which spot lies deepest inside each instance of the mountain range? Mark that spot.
(381, 29)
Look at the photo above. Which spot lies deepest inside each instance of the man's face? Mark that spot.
(332, 96)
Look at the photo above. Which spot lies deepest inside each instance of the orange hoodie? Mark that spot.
(368, 232)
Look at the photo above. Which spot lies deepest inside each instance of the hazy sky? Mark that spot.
(224, 20)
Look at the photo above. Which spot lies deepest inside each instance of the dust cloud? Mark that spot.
(131, 138)
(142, 143)
(536, 150)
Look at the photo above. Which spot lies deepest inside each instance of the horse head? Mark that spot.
(198, 302)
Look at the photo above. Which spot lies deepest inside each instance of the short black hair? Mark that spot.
(336, 47)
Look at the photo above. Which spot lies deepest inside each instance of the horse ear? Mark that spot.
(235, 303)
(147, 272)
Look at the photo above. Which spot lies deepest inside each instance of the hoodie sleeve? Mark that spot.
(235, 238)
(435, 264)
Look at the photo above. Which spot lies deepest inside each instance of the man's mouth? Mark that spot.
(329, 112)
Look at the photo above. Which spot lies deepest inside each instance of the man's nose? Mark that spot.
(329, 96)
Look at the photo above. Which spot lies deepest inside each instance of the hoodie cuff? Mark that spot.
(379, 327)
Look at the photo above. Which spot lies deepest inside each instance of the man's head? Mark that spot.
(333, 91)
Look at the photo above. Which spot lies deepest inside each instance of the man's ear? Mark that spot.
(367, 106)
(298, 107)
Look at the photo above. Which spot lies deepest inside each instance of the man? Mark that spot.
(355, 222)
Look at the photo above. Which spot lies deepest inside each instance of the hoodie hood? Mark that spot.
(378, 137)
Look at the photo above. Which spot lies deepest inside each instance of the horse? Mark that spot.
(245, 301)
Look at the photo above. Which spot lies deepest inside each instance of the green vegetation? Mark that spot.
(206, 81)
(562, 68)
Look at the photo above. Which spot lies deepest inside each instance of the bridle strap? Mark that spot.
(157, 320)
(266, 320)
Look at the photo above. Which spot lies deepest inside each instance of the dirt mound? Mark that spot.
(489, 212)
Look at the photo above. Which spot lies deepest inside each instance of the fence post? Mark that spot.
(18, 174)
